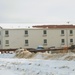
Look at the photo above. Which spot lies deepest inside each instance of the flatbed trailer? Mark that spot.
(45, 50)
(7, 50)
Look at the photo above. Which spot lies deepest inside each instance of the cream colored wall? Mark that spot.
(71, 37)
(35, 36)
(16, 38)
(53, 37)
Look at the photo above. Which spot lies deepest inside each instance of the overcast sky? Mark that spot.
(37, 11)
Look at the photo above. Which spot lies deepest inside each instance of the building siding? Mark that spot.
(36, 37)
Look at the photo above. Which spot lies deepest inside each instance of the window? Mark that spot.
(0, 32)
(26, 42)
(6, 33)
(71, 41)
(45, 41)
(62, 32)
(6, 42)
(26, 33)
(62, 41)
(0, 42)
(44, 32)
(71, 32)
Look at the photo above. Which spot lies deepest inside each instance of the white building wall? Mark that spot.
(70, 36)
(53, 37)
(16, 38)
(35, 37)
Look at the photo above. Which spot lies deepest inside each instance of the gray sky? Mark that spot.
(37, 11)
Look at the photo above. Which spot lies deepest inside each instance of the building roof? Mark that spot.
(29, 26)
(54, 26)
(15, 26)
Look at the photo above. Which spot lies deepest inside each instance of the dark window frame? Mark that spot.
(71, 40)
(0, 42)
(71, 31)
(6, 41)
(26, 32)
(44, 32)
(26, 42)
(45, 41)
(62, 32)
(6, 32)
(62, 41)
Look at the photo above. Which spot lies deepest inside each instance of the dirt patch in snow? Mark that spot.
(70, 58)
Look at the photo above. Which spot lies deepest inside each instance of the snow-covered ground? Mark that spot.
(15, 66)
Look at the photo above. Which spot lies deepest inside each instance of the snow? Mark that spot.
(4, 55)
(9, 65)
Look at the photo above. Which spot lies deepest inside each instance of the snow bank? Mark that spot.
(23, 53)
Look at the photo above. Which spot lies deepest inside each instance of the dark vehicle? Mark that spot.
(72, 47)
(40, 48)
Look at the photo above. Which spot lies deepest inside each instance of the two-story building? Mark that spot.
(45, 35)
